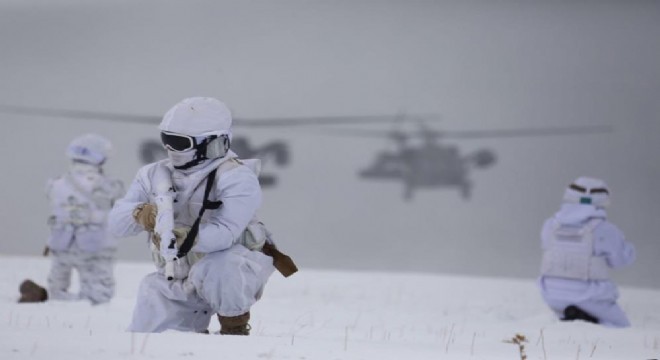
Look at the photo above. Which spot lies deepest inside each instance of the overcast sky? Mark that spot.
(480, 64)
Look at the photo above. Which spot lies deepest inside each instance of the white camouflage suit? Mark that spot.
(582, 279)
(80, 201)
(219, 275)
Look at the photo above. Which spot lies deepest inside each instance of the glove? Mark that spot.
(179, 233)
(254, 237)
(145, 215)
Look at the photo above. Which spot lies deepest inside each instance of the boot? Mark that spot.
(31, 292)
(573, 312)
(235, 325)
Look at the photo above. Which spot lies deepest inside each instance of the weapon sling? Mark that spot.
(282, 262)
(206, 204)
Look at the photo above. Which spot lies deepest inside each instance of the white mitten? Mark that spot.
(255, 235)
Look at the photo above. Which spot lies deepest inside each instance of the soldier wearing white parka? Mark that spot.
(226, 269)
(579, 248)
(80, 201)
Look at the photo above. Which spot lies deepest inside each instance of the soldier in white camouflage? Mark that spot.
(580, 247)
(215, 196)
(80, 201)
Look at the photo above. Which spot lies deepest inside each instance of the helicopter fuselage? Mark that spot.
(427, 166)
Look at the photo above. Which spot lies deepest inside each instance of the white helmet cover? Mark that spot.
(587, 190)
(198, 116)
(205, 119)
(90, 148)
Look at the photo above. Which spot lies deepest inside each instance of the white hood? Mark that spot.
(90, 148)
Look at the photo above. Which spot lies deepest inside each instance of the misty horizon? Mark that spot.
(479, 65)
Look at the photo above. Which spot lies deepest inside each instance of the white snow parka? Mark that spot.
(238, 189)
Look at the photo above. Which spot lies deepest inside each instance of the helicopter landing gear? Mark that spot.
(408, 193)
(466, 190)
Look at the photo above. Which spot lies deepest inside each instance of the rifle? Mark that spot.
(165, 219)
(282, 262)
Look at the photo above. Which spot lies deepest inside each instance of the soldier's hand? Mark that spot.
(155, 238)
(145, 215)
(179, 233)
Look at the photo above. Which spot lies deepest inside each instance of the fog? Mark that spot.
(479, 64)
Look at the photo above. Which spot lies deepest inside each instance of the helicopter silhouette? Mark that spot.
(150, 150)
(432, 164)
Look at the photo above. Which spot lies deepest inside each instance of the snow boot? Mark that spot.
(235, 325)
(573, 312)
(31, 292)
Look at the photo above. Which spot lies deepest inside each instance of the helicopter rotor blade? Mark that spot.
(364, 133)
(243, 122)
(322, 120)
(528, 132)
(427, 132)
(79, 114)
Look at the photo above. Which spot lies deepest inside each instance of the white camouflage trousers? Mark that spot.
(95, 271)
(597, 298)
(226, 282)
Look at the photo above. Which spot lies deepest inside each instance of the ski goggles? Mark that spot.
(177, 142)
(182, 142)
(590, 191)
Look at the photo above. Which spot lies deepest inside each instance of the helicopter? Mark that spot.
(150, 150)
(430, 163)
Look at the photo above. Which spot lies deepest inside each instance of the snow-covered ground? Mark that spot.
(331, 315)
